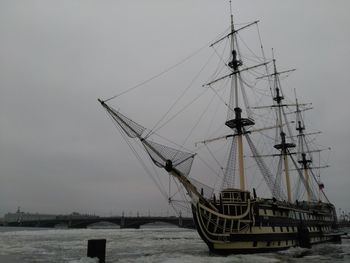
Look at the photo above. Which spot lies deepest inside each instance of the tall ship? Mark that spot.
(267, 194)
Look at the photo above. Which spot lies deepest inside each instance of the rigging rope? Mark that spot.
(157, 75)
(139, 158)
(158, 183)
(301, 177)
(176, 114)
(269, 178)
(164, 71)
(245, 44)
(230, 171)
(180, 97)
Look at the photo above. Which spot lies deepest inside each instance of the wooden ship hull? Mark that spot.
(244, 225)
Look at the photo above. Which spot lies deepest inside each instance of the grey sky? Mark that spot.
(59, 153)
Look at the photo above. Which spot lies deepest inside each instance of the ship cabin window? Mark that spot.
(279, 243)
(265, 211)
(225, 209)
(226, 196)
(255, 243)
(273, 212)
(268, 243)
(236, 197)
(287, 242)
(287, 229)
(273, 229)
(281, 229)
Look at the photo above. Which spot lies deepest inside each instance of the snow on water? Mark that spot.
(166, 245)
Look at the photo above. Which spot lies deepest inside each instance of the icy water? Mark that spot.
(168, 245)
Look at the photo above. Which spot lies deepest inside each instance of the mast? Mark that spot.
(304, 161)
(234, 114)
(283, 146)
(235, 120)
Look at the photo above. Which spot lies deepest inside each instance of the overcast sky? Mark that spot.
(59, 152)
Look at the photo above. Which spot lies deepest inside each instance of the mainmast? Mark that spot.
(283, 146)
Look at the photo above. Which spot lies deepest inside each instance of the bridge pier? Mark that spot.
(180, 221)
(122, 222)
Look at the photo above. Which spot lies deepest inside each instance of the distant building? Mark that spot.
(22, 216)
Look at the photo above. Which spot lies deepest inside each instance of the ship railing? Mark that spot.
(222, 223)
(226, 226)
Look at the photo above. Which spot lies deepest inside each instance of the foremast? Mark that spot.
(237, 123)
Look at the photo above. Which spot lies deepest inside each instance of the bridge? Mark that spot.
(122, 221)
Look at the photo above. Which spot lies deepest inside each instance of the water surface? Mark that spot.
(162, 244)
